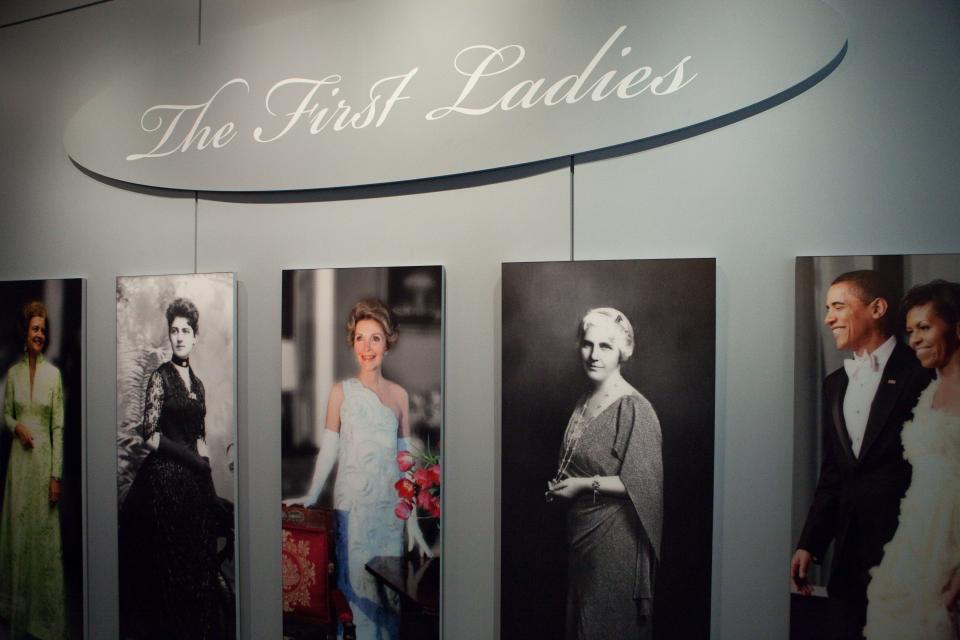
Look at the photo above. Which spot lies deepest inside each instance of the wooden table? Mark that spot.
(417, 581)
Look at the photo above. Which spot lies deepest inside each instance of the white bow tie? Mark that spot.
(868, 362)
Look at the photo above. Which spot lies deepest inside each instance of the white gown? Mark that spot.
(364, 497)
(904, 593)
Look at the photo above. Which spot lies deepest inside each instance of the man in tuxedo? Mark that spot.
(863, 474)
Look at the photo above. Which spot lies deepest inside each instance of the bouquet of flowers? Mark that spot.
(419, 487)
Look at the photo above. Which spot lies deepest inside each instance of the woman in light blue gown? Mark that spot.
(367, 423)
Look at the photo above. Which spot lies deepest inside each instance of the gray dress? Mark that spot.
(614, 543)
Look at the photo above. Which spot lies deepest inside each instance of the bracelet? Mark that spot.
(595, 485)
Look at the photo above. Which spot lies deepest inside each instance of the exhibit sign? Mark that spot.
(372, 91)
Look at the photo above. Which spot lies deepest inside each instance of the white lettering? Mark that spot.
(572, 96)
(224, 135)
(676, 84)
(197, 134)
(382, 100)
(313, 105)
(303, 109)
(570, 89)
(630, 80)
(515, 51)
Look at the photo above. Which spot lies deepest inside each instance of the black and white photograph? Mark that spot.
(876, 513)
(362, 414)
(607, 441)
(176, 439)
(41, 460)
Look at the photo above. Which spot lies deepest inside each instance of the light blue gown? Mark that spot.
(364, 497)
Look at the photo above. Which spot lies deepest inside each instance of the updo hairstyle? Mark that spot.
(610, 317)
(34, 309)
(373, 309)
(184, 308)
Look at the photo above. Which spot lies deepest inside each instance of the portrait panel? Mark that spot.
(176, 440)
(607, 440)
(863, 392)
(362, 414)
(42, 516)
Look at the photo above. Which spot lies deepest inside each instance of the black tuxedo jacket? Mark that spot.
(857, 500)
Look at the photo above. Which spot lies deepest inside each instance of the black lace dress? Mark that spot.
(168, 548)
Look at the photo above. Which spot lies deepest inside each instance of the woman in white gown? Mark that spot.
(367, 422)
(913, 592)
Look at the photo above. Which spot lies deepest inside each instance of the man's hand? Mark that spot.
(802, 559)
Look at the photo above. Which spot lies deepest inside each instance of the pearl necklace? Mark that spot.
(577, 427)
(571, 438)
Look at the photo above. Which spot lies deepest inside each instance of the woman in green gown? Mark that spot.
(31, 557)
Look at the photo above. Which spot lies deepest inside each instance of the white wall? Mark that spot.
(864, 162)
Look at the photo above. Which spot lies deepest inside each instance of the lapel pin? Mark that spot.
(891, 381)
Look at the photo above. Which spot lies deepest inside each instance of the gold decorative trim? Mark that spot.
(299, 574)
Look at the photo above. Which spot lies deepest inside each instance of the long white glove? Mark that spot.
(329, 448)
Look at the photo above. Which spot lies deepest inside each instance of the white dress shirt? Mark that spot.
(864, 373)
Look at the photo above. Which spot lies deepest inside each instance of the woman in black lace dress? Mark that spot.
(168, 549)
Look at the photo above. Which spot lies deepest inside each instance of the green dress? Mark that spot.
(31, 557)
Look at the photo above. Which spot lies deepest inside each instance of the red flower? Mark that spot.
(405, 460)
(405, 489)
(435, 509)
(434, 472)
(402, 509)
(423, 478)
(425, 500)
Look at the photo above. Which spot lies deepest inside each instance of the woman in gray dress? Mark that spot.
(610, 474)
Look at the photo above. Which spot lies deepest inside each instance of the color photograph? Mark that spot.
(41, 460)
(876, 513)
(362, 415)
(176, 438)
(607, 441)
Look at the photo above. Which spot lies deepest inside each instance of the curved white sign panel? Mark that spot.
(375, 91)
